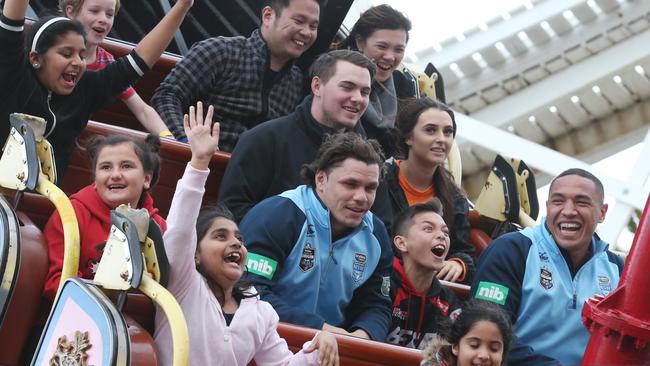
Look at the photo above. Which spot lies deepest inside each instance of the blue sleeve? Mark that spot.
(272, 235)
(618, 261)
(370, 306)
(501, 268)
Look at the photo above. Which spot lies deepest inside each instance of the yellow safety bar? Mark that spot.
(70, 226)
(174, 314)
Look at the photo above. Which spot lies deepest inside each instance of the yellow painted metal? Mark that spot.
(175, 317)
(70, 226)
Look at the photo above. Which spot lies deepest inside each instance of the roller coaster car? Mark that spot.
(23, 258)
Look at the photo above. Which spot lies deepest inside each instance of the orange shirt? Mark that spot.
(413, 195)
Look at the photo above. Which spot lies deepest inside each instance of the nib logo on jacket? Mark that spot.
(261, 265)
(492, 292)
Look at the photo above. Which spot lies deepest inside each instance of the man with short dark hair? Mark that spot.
(543, 275)
(268, 158)
(316, 253)
(247, 80)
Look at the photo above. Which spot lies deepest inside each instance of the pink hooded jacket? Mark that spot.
(252, 334)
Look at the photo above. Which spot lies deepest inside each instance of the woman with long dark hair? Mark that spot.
(426, 130)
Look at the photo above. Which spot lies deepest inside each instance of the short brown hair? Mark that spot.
(338, 147)
(77, 4)
(325, 65)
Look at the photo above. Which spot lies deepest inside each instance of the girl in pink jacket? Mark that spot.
(228, 324)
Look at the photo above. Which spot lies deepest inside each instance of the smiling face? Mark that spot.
(119, 175)
(481, 346)
(574, 209)
(290, 33)
(61, 67)
(426, 243)
(348, 191)
(431, 138)
(385, 47)
(221, 252)
(340, 102)
(97, 17)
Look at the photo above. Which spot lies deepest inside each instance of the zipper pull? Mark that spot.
(575, 300)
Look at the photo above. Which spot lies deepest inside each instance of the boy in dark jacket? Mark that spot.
(420, 302)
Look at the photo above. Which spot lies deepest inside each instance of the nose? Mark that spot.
(569, 208)
(483, 354)
(360, 195)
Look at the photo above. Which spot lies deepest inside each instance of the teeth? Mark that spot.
(300, 43)
(569, 227)
(351, 109)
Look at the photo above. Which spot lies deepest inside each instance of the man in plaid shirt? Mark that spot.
(247, 80)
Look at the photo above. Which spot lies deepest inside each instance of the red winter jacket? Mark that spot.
(93, 216)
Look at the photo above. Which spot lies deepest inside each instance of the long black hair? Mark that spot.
(241, 290)
(445, 188)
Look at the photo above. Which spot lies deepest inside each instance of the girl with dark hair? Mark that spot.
(227, 322)
(125, 169)
(381, 33)
(426, 130)
(481, 335)
(46, 76)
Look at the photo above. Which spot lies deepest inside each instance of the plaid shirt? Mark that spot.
(228, 73)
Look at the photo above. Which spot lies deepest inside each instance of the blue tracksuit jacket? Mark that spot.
(529, 275)
(308, 279)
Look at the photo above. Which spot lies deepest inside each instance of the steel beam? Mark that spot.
(566, 82)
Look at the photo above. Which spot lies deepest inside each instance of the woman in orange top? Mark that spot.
(426, 130)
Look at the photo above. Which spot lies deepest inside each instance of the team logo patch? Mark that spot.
(307, 258)
(399, 313)
(358, 266)
(605, 285)
(385, 285)
(492, 292)
(543, 256)
(546, 278)
(310, 230)
(261, 265)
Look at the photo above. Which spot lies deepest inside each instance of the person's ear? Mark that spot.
(602, 213)
(360, 43)
(454, 349)
(315, 86)
(268, 15)
(320, 180)
(147, 181)
(400, 243)
(35, 60)
(69, 11)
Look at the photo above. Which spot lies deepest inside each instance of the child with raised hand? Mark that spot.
(124, 170)
(47, 77)
(97, 17)
(228, 324)
(421, 304)
(481, 335)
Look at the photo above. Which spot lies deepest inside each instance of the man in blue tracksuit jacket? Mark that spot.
(316, 253)
(543, 275)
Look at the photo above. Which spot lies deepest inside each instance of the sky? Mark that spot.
(435, 21)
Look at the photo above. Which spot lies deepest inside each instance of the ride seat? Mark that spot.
(23, 308)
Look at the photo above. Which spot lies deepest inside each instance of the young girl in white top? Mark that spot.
(227, 322)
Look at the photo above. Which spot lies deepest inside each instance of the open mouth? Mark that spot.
(569, 227)
(439, 250)
(70, 78)
(234, 257)
(116, 187)
(438, 150)
(351, 109)
(299, 43)
(99, 30)
(384, 66)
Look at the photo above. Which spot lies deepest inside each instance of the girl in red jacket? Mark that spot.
(125, 169)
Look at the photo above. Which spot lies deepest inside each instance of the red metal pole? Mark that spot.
(620, 323)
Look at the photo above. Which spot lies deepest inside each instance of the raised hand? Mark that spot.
(451, 271)
(203, 136)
